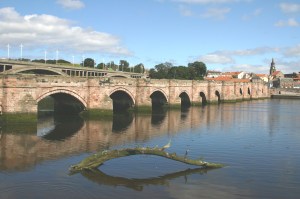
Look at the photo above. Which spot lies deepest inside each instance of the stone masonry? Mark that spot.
(21, 93)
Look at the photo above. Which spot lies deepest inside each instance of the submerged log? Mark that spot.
(94, 161)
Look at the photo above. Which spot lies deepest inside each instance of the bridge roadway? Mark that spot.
(21, 92)
(15, 67)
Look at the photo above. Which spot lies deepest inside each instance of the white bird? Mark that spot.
(166, 146)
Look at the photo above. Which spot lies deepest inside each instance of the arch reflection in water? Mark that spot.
(58, 128)
(121, 121)
(158, 116)
(101, 178)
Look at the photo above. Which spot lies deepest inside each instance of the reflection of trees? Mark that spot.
(101, 178)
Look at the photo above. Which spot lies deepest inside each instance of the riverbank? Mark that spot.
(280, 96)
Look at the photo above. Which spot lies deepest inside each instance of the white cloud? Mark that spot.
(71, 4)
(248, 68)
(288, 66)
(40, 31)
(292, 51)
(255, 13)
(250, 52)
(216, 13)
(227, 57)
(208, 1)
(216, 59)
(290, 22)
(185, 11)
(289, 7)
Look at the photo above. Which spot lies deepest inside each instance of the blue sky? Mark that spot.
(227, 35)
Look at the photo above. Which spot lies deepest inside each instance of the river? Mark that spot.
(258, 141)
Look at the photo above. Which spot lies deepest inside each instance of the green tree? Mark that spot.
(162, 71)
(88, 62)
(139, 68)
(124, 65)
(62, 61)
(101, 66)
(197, 70)
(112, 66)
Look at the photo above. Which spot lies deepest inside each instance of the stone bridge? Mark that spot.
(21, 93)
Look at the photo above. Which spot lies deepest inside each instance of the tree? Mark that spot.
(62, 61)
(101, 66)
(124, 65)
(139, 68)
(50, 61)
(162, 70)
(197, 70)
(112, 66)
(88, 62)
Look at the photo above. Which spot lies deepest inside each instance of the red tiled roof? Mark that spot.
(220, 78)
(276, 73)
(213, 71)
(261, 75)
(227, 79)
(231, 73)
(240, 80)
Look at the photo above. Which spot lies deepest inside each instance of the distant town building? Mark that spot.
(279, 80)
(272, 68)
(263, 77)
(238, 75)
(213, 74)
(277, 74)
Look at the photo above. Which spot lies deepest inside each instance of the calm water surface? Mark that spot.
(259, 141)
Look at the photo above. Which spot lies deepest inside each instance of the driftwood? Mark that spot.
(94, 161)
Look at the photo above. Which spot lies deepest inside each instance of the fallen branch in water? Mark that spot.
(94, 161)
(138, 184)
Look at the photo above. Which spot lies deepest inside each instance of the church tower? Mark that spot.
(272, 68)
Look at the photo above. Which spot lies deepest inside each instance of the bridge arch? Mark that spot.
(38, 70)
(122, 98)
(218, 95)
(65, 101)
(203, 98)
(119, 76)
(64, 91)
(158, 98)
(163, 92)
(124, 90)
(185, 99)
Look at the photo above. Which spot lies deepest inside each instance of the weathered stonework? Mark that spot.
(21, 93)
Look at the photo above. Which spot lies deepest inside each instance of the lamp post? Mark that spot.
(73, 59)
(21, 47)
(83, 60)
(45, 56)
(8, 51)
(56, 56)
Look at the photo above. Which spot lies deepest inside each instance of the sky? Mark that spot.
(227, 35)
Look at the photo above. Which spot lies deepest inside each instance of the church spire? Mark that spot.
(272, 68)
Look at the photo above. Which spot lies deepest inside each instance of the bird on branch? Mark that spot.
(186, 153)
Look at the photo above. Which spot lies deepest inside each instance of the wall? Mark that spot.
(21, 93)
